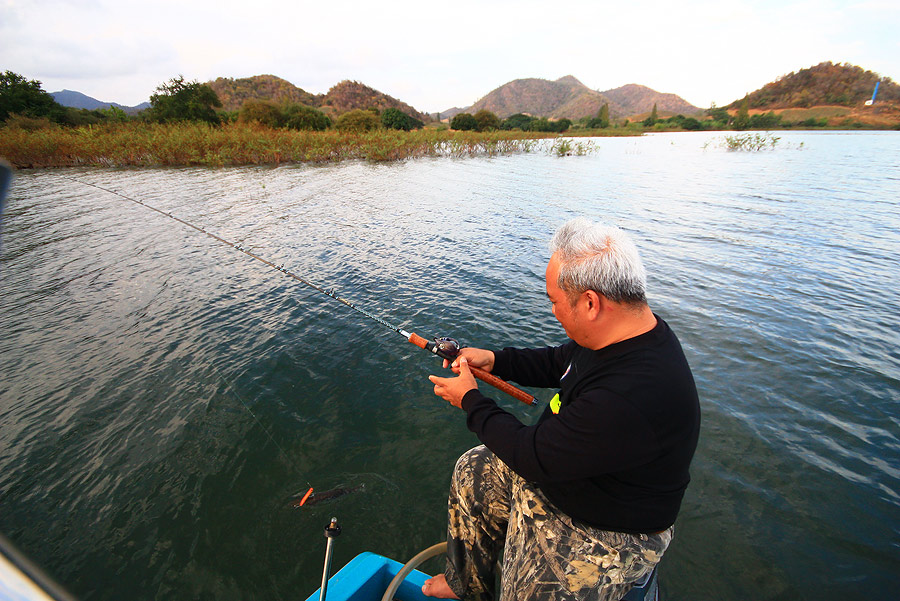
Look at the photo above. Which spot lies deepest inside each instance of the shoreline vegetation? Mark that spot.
(186, 125)
(236, 144)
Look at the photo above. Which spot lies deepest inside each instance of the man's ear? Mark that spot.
(594, 303)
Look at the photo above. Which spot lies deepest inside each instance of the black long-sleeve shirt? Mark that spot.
(617, 454)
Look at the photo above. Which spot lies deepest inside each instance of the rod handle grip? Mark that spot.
(418, 340)
(503, 385)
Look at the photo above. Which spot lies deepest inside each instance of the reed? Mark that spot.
(184, 144)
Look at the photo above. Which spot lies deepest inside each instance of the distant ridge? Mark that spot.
(78, 100)
(568, 98)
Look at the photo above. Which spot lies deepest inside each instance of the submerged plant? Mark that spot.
(564, 147)
(745, 142)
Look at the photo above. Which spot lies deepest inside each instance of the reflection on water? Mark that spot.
(163, 395)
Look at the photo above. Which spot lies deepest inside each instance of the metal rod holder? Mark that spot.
(332, 531)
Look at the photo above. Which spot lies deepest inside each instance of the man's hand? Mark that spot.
(476, 357)
(453, 390)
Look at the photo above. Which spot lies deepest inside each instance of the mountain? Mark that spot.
(822, 84)
(233, 92)
(78, 100)
(343, 97)
(640, 99)
(567, 97)
(349, 95)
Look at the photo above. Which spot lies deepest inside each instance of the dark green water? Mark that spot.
(163, 396)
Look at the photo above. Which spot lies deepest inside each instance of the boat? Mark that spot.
(373, 577)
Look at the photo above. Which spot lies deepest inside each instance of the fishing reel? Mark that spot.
(445, 347)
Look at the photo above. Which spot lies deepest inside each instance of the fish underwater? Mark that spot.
(326, 495)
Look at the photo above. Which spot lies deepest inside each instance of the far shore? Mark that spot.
(140, 144)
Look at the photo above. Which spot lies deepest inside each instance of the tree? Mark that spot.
(691, 124)
(358, 120)
(517, 121)
(602, 118)
(463, 122)
(179, 100)
(393, 118)
(718, 114)
(486, 120)
(653, 118)
(742, 119)
(264, 112)
(22, 97)
(603, 115)
(545, 125)
(300, 116)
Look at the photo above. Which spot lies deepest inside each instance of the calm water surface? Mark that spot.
(163, 396)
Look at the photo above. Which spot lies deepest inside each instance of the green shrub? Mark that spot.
(393, 118)
(264, 112)
(486, 120)
(357, 120)
(26, 123)
(302, 117)
(464, 122)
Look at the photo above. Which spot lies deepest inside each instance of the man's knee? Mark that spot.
(474, 461)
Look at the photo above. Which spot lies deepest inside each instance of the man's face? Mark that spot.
(565, 312)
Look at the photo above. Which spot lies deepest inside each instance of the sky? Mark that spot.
(435, 56)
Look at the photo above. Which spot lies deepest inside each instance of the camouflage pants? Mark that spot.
(546, 554)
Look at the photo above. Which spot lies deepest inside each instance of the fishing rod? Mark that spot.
(444, 346)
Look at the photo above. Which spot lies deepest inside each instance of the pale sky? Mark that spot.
(437, 55)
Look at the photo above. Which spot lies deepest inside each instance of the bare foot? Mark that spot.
(438, 588)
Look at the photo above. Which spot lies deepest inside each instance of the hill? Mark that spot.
(343, 97)
(349, 95)
(640, 99)
(233, 92)
(567, 97)
(824, 84)
(78, 100)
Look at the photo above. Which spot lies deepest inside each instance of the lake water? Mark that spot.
(163, 395)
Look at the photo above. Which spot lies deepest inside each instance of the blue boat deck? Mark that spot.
(366, 578)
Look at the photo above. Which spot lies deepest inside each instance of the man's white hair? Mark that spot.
(599, 257)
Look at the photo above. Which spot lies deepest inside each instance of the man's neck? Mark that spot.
(622, 322)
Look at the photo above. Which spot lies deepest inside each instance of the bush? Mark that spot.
(517, 121)
(264, 112)
(545, 125)
(300, 116)
(765, 121)
(464, 122)
(393, 118)
(26, 123)
(486, 120)
(357, 120)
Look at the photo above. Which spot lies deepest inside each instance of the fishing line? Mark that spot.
(268, 434)
(445, 347)
(237, 246)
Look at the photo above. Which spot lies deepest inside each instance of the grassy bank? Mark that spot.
(148, 145)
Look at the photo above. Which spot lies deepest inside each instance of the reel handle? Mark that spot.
(484, 376)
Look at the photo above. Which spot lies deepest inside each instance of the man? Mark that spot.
(583, 503)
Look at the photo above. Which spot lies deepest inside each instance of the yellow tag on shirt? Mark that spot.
(555, 403)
